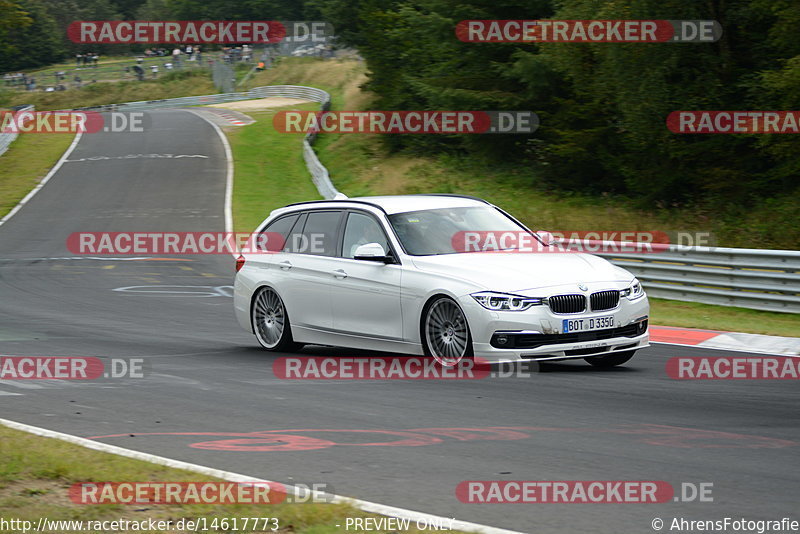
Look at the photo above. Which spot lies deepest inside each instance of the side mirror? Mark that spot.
(372, 252)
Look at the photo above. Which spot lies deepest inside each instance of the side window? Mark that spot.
(273, 237)
(319, 234)
(360, 230)
(295, 238)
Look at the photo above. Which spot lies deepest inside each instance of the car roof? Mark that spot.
(391, 204)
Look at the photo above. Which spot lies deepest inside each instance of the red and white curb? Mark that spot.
(366, 506)
(735, 341)
(231, 117)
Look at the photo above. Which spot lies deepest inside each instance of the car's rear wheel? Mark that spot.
(611, 360)
(445, 332)
(270, 321)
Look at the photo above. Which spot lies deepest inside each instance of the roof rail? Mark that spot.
(337, 201)
(452, 195)
(374, 205)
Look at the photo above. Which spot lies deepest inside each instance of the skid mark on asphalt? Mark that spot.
(290, 440)
(34, 386)
(136, 156)
(178, 290)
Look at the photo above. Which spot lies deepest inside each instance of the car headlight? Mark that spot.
(504, 301)
(633, 291)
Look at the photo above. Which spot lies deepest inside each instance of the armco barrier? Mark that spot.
(7, 138)
(749, 278)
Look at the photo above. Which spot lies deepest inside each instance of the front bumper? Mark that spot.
(536, 334)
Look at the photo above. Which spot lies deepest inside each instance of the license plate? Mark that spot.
(586, 324)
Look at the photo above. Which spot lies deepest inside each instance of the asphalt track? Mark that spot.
(207, 382)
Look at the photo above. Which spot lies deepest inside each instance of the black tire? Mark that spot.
(444, 332)
(611, 360)
(271, 322)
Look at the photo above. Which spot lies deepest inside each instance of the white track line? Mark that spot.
(729, 349)
(50, 174)
(229, 171)
(366, 506)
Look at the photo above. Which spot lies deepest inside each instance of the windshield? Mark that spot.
(428, 232)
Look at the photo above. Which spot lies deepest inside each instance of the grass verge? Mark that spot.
(726, 318)
(269, 171)
(27, 161)
(36, 474)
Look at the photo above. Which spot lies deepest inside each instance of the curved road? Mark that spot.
(401, 443)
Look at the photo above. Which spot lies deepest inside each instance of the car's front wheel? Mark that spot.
(611, 360)
(270, 321)
(445, 333)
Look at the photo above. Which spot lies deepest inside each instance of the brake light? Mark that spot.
(239, 263)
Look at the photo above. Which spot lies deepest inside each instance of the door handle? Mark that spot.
(339, 273)
(285, 265)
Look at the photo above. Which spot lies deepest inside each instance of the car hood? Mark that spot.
(520, 272)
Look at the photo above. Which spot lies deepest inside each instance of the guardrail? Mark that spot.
(7, 138)
(758, 279)
(289, 91)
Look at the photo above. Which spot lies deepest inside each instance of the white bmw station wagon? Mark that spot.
(388, 274)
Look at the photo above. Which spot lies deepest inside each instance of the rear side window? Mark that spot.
(319, 234)
(295, 237)
(273, 237)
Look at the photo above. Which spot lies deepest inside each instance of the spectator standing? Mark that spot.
(139, 72)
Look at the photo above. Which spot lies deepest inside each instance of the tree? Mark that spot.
(32, 42)
(12, 18)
